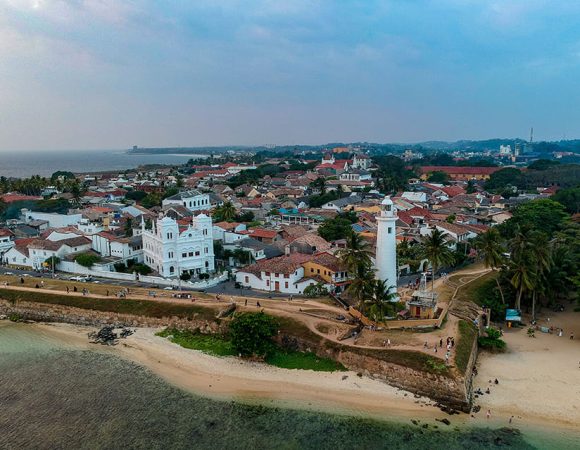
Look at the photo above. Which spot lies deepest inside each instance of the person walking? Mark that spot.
(246, 302)
(488, 414)
(67, 289)
(572, 335)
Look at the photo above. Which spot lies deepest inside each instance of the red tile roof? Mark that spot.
(458, 170)
(10, 197)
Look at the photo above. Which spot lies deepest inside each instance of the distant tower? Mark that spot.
(386, 243)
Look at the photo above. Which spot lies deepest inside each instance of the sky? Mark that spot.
(96, 74)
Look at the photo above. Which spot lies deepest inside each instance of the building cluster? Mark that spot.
(270, 238)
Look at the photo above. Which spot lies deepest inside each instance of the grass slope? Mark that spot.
(147, 308)
(467, 335)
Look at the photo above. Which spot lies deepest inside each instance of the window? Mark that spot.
(190, 254)
(276, 275)
(171, 269)
(184, 255)
(197, 253)
(286, 275)
(311, 270)
(317, 270)
(268, 283)
(267, 274)
(247, 279)
(205, 250)
(286, 285)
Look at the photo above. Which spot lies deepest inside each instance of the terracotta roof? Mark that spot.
(286, 264)
(312, 240)
(12, 197)
(261, 232)
(226, 225)
(458, 170)
(329, 261)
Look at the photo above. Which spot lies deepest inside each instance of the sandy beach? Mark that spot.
(539, 380)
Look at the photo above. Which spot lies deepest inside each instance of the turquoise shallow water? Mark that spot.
(54, 396)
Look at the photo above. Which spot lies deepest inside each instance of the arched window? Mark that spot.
(171, 269)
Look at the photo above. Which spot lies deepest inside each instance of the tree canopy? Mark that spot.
(252, 333)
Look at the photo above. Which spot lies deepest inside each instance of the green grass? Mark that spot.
(478, 290)
(467, 335)
(219, 345)
(147, 308)
(211, 344)
(301, 360)
(407, 358)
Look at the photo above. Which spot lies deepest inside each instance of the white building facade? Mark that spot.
(172, 251)
(192, 200)
(386, 258)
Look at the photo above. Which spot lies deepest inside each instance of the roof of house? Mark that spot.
(261, 233)
(460, 170)
(184, 195)
(226, 225)
(329, 261)
(312, 240)
(15, 197)
(286, 264)
(453, 228)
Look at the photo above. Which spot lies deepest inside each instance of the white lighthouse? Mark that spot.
(386, 258)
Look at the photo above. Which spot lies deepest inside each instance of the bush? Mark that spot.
(87, 259)
(492, 340)
(185, 276)
(315, 290)
(252, 333)
(141, 269)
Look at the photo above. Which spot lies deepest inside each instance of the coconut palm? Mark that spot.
(541, 256)
(356, 257)
(435, 249)
(357, 254)
(489, 244)
(382, 295)
(226, 212)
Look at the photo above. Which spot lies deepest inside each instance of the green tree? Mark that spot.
(226, 212)
(336, 228)
(438, 177)
(382, 297)
(252, 333)
(570, 198)
(470, 189)
(503, 178)
(542, 164)
(87, 259)
(319, 184)
(489, 245)
(543, 215)
(136, 195)
(356, 257)
(435, 249)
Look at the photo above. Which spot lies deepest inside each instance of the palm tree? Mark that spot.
(490, 246)
(361, 286)
(522, 276)
(382, 294)
(227, 211)
(541, 255)
(356, 257)
(435, 249)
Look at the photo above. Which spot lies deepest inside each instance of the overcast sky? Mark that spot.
(80, 74)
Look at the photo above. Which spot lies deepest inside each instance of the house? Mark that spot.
(173, 250)
(228, 232)
(19, 255)
(53, 220)
(6, 242)
(308, 244)
(40, 249)
(262, 235)
(192, 200)
(415, 197)
(282, 274)
(327, 269)
(458, 173)
(342, 203)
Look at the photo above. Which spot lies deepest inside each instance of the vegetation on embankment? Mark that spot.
(146, 308)
(222, 345)
(464, 346)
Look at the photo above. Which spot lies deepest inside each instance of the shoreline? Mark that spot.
(232, 379)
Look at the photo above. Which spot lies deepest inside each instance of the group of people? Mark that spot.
(449, 345)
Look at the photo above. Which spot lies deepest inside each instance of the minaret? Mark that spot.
(386, 258)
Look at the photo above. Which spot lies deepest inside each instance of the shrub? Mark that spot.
(315, 290)
(492, 340)
(87, 259)
(251, 333)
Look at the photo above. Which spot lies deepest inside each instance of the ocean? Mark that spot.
(45, 163)
(53, 395)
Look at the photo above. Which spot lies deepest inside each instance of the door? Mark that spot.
(277, 286)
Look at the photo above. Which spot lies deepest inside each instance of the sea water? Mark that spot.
(56, 396)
